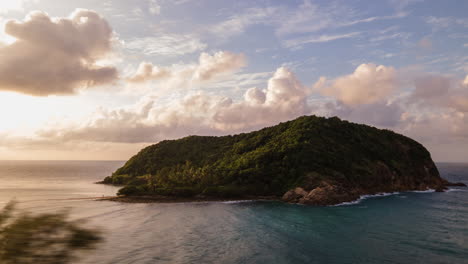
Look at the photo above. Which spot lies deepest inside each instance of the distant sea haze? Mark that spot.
(412, 227)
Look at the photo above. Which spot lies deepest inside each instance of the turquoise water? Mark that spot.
(400, 228)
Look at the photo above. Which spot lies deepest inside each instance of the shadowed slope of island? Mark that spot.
(309, 160)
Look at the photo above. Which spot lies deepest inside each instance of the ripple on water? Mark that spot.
(408, 227)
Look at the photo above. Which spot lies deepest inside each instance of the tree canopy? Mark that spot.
(301, 152)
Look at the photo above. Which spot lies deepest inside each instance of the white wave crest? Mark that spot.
(363, 197)
(237, 201)
(425, 191)
(456, 190)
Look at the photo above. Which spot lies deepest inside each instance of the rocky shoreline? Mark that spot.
(327, 194)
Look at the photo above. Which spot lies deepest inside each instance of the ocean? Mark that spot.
(412, 227)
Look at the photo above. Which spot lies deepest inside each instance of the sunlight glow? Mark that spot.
(8, 5)
(24, 114)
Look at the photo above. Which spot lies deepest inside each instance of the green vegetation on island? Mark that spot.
(312, 160)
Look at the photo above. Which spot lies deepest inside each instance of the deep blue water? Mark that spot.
(400, 228)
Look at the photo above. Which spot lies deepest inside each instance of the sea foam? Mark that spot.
(367, 196)
(456, 190)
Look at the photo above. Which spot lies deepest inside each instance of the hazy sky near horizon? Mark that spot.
(97, 79)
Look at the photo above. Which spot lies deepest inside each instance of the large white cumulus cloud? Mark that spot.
(283, 99)
(369, 83)
(56, 55)
(363, 96)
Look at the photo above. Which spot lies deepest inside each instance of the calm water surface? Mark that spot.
(401, 228)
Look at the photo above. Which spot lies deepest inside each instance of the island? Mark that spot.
(310, 160)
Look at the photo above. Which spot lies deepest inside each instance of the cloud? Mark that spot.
(23, 148)
(56, 55)
(431, 87)
(147, 71)
(372, 19)
(362, 96)
(402, 4)
(154, 7)
(221, 62)
(148, 121)
(433, 109)
(386, 37)
(254, 96)
(440, 23)
(436, 113)
(14, 5)
(310, 17)
(298, 42)
(382, 114)
(439, 127)
(287, 21)
(209, 67)
(165, 44)
(241, 80)
(238, 23)
(441, 91)
(365, 96)
(368, 84)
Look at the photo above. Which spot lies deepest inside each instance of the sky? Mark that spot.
(99, 80)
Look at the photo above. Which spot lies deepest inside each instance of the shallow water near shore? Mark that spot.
(412, 227)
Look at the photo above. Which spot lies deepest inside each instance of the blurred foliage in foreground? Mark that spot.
(43, 238)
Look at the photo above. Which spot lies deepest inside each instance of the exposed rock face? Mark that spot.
(294, 195)
(328, 194)
(325, 193)
(407, 170)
